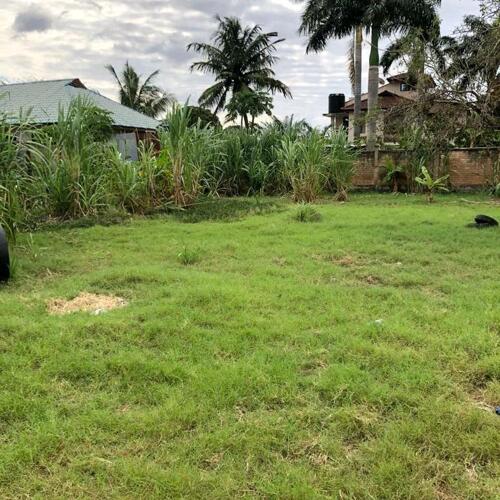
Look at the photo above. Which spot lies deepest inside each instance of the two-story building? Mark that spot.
(393, 93)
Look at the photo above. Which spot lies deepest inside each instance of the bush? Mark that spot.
(393, 174)
(306, 213)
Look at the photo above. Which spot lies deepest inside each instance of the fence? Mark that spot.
(467, 167)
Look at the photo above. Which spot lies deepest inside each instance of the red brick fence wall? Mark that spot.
(467, 167)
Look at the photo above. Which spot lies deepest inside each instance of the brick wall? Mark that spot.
(467, 168)
(471, 168)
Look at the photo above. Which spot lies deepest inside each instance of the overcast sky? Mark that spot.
(53, 39)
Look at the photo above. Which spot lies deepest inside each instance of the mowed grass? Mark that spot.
(352, 357)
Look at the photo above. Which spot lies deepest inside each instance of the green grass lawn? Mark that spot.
(354, 357)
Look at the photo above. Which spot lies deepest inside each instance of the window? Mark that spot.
(404, 87)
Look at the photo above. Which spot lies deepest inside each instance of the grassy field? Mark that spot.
(353, 357)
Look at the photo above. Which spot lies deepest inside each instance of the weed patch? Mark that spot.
(306, 213)
(189, 256)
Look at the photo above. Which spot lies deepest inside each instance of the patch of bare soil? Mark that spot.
(85, 302)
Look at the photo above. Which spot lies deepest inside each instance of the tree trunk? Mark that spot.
(358, 38)
(373, 78)
(245, 120)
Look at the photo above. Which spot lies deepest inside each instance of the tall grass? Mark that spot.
(189, 152)
(124, 183)
(340, 163)
(138, 186)
(302, 162)
(69, 161)
(10, 210)
(12, 176)
(71, 169)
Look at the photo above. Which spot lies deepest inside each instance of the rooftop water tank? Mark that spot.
(335, 103)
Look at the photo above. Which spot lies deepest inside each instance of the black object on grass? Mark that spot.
(482, 221)
(485, 219)
(4, 256)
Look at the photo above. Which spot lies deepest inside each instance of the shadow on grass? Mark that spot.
(227, 209)
(217, 209)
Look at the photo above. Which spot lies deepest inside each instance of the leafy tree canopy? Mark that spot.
(249, 103)
(202, 116)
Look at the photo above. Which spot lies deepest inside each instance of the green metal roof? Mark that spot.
(43, 99)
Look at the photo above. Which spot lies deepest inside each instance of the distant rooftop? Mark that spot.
(43, 99)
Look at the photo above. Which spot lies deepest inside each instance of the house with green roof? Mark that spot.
(42, 100)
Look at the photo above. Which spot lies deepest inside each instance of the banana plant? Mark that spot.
(431, 185)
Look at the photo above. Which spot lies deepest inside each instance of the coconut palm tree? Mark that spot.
(326, 19)
(241, 59)
(355, 65)
(144, 97)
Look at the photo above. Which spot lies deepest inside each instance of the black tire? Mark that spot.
(4, 257)
(485, 220)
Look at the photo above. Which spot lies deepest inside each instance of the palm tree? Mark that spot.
(241, 59)
(144, 97)
(325, 19)
(415, 48)
(355, 65)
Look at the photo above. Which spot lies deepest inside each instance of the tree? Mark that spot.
(325, 19)
(249, 103)
(288, 125)
(358, 69)
(475, 58)
(144, 97)
(355, 65)
(414, 49)
(462, 108)
(241, 59)
(202, 116)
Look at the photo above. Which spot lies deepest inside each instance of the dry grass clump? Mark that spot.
(85, 302)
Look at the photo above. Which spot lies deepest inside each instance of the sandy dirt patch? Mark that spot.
(86, 302)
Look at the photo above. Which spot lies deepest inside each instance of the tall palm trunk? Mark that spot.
(358, 63)
(373, 78)
(242, 87)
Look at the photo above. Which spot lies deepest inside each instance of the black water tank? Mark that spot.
(335, 103)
